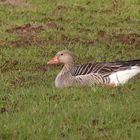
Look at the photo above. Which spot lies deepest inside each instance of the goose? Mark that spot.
(91, 74)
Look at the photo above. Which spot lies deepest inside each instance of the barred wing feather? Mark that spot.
(103, 69)
(114, 73)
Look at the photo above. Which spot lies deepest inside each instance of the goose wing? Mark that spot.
(103, 68)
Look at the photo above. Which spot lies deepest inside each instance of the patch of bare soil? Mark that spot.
(129, 39)
(14, 2)
(18, 81)
(28, 34)
(41, 68)
(103, 129)
(64, 40)
(25, 41)
(95, 122)
(26, 30)
(8, 65)
(103, 37)
(135, 120)
(37, 68)
(32, 29)
(21, 42)
(4, 98)
(2, 43)
(3, 109)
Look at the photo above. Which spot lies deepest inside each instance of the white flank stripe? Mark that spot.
(122, 77)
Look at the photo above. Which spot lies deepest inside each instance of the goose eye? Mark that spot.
(61, 53)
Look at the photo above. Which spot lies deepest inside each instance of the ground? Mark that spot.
(31, 33)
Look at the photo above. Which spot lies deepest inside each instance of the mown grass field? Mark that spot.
(95, 30)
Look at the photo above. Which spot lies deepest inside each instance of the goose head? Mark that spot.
(63, 57)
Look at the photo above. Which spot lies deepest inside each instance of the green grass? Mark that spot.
(30, 105)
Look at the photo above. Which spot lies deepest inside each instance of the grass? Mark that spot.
(30, 106)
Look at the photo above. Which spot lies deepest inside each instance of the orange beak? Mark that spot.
(54, 60)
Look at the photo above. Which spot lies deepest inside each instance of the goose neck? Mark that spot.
(67, 67)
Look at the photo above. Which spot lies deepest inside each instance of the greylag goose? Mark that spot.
(90, 74)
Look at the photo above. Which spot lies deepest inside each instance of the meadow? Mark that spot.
(95, 30)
